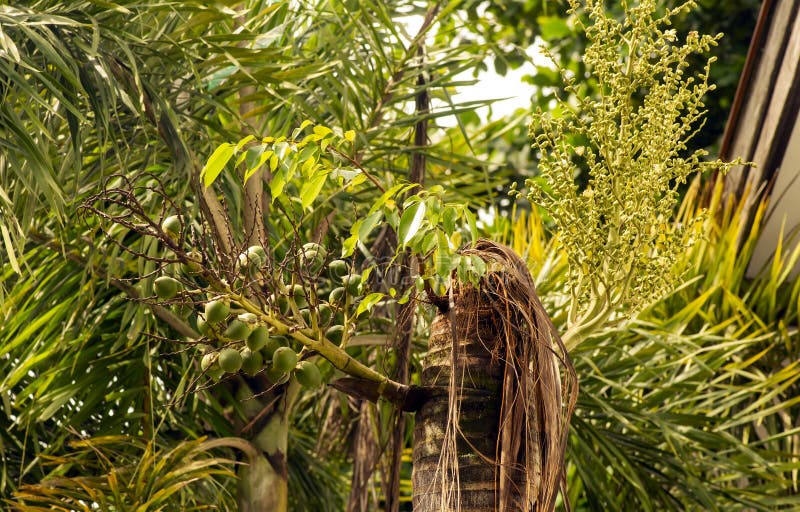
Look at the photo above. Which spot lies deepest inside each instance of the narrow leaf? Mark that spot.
(368, 302)
(278, 181)
(216, 163)
(244, 141)
(322, 131)
(411, 221)
(311, 189)
(10, 251)
(366, 227)
(349, 246)
(473, 227)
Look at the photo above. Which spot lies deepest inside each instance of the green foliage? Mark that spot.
(120, 473)
(317, 167)
(120, 89)
(690, 406)
(620, 243)
(513, 28)
(114, 90)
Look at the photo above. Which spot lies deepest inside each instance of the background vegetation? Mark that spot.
(692, 406)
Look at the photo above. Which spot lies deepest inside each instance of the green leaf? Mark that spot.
(347, 174)
(262, 159)
(429, 242)
(278, 182)
(296, 133)
(392, 217)
(216, 163)
(473, 225)
(444, 261)
(406, 297)
(449, 216)
(356, 181)
(410, 222)
(349, 245)
(369, 223)
(553, 27)
(311, 189)
(243, 142)
(10, 249)
(308, 166)
(464, 274)
(368, 302)
(366, 273)
(478, 265)
(322, 131)
(10, 48)
(392, 192)
(443, 257)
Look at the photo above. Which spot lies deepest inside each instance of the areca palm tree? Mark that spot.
(92, 91)
(95, 94)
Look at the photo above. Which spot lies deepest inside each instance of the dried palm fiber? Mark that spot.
(496, 439)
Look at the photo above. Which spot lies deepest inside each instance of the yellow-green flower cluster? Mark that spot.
(632, 136)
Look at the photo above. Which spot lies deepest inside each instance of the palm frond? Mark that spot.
(123, 473)
(689, 406)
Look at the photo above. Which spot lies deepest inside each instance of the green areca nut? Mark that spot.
(192, 264)
(314, 259)
(208, 360)
(299, 295)
(252, 361)
(256, 251)
(337, 270)
(273, 344)
(276, 376)
(248, 318)
(325, 314)
(216, 311)
(258, 338)
(335, 333)
(352, 283)
(172, 226)
(280, 302)
(215, 372)
(237, 330)
(307, 374)
(284, 359)
(315, 247)
(230, 360)
(202, 326)
(166, 287)
(337, 296)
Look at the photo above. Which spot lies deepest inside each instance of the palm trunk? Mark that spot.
(493, 434)
(366, 454)
(263, 485)
(478, 415)
(263, 481)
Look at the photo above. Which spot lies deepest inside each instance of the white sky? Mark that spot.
(489, 84)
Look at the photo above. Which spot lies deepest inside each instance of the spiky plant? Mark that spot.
(124, 473)
(690, 406)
